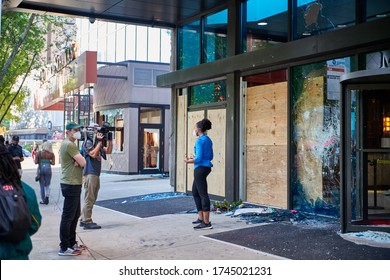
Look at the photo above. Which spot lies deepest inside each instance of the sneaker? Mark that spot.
(92, 226)
(82, 224)
(78, 247)
(69, 252)
(203, 225)
(197, 221)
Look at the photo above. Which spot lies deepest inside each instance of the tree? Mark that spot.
(23, 48)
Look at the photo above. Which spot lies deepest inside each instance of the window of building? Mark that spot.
(378, 60)
(146, 77)
(154, 39)
(377, 9)
(316, 136)
(265, 23)
(142, 43)
(208, 93)
(130, 42)
(115, 120)
(165, 46)
(215, 36)
(315, 17)
(120, 42)
(150, 115)
(189, 45)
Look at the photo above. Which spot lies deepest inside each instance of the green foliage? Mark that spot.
(28, 147)
(20, 55)
(226, 206)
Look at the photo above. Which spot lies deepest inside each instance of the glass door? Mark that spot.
(150, 150)
(367, 158)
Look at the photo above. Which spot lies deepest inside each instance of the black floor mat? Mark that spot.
(150, 205)
(302, 242)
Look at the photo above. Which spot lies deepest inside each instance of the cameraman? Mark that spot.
(93, 150)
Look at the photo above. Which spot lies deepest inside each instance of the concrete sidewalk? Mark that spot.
(125, 237)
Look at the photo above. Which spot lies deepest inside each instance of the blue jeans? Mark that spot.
(70, 215)
(45, 179)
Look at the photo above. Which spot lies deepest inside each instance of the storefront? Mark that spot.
(272, 91)
(138, 113)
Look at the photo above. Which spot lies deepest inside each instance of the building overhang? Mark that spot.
(152, 12)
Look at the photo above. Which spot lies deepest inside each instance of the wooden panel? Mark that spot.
(181, 143)
(266, 146)
(216, 179)
(267, 175)
(193, 118)
(266, 119)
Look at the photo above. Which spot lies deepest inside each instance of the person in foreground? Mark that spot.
(9, 175)
(94, 150)
(203, 151)
(72, 163)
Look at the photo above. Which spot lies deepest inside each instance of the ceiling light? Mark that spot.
(381, 15)
(262, 23)
(341, 25)
(306, 33)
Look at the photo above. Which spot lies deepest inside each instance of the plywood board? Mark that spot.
(266, 146)
(181, 144)
(216, 179)
(266, 118)
(267, 175)
(193, 118)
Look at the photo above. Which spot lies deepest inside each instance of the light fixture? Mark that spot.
(385, 140)
(262, 23)
(381, 15)
(341, 25)
(306, 33)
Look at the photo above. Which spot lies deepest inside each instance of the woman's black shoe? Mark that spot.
(46, 200)
(42, 202)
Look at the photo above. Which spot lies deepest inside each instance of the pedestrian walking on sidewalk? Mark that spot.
(203, 151)
(94, 150)
(45, 159)
(72, 163)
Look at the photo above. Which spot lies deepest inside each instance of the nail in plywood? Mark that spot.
(266, 134)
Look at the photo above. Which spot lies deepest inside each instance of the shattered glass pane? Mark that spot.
(316, 137)
(316, 17)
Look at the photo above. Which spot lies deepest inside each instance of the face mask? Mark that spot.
(77, 135)
(194, 133)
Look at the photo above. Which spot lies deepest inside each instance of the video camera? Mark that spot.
(89, 132)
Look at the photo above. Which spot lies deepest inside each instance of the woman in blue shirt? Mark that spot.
(202, 167)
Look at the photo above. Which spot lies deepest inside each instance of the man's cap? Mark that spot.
(15, 138)
(72, 125)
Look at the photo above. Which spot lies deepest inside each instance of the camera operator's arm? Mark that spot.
(108, 149)
(94, 153)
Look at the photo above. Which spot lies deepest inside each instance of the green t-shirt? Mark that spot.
(70, 174)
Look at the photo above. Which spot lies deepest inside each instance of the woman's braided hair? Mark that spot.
(9, 173)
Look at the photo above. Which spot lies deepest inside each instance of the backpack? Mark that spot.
(15, 217)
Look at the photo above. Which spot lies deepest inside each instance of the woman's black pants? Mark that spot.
(199, 188)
